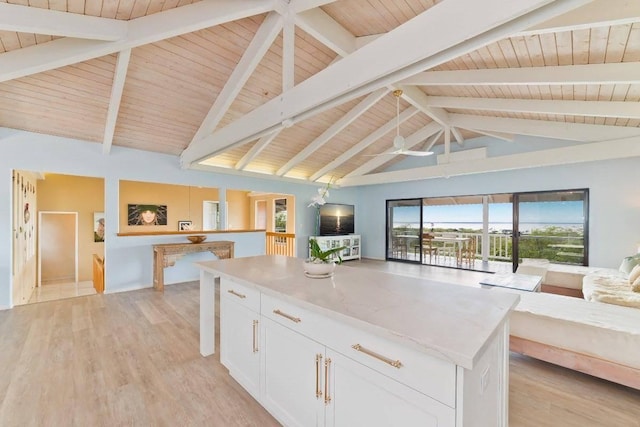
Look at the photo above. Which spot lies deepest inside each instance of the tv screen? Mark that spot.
(336, 219)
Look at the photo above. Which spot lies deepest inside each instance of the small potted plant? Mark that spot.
(321, 263)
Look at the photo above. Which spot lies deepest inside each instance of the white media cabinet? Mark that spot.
(352, 242)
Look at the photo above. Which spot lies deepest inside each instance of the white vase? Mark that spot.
(319, 269)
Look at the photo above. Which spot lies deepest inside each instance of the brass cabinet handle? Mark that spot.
(327, 366)
(255, 334)
(288, 316)
(394, 363)
(318, 364)
(232, 292)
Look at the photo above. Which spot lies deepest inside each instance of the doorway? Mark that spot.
(210, 215)
(58, 248)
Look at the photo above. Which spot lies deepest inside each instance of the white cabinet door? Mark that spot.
(292, 369)
(361, 396)
(239, 343)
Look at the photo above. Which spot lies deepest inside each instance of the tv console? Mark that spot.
(352, 242)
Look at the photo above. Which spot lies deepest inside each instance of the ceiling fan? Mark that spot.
(398, 140)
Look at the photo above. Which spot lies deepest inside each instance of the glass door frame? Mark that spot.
(389, 231)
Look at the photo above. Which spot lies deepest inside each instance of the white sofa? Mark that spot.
(596, 338)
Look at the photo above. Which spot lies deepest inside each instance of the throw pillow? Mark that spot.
(628, 263)
(636, 285)
(635, 273)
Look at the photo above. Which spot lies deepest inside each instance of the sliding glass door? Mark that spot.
(552, 225)
(404, 230)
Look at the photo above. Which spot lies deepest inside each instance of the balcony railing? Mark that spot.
(280, 244)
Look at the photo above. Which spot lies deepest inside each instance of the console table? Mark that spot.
(166, 255)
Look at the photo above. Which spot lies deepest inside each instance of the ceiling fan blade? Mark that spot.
(416, 153)
(388, 153)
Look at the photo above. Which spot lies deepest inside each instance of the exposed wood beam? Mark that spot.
(617, 73)
(600, 13)
(558, 130)
(409, 142)
(327, 31)
(457, 135)
(288, 52)
(302, 5)
(256, 149)
(25, 19)
(147, 29)
(616, 149)
(429, 143)
(367, 141)
(334, 129)
(629, 110)
(252, 56)
(363, 71)
(120, 75)
(508, 137)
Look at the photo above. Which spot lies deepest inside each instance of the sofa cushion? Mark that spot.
(610, 288)
(635, 273)
(628, 263)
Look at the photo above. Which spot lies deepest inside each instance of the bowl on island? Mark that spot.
(197, 239)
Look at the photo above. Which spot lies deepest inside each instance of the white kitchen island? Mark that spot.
(359, 348)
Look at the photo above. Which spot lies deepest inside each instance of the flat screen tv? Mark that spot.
(336, 219)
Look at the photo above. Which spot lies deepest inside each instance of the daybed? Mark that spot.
(600, 339)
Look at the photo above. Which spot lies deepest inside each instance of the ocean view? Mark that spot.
(494, 227)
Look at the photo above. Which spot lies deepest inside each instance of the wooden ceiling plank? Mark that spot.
(362, 71)
(252, 56)
(144, 30)
(412, 140)
(24, 19)
(628, 73)
(572, 107)
(334, 129)
(367, 141)
(288, 52)
(256, 150)
(545, 129)
(117, 88)
(600, 13)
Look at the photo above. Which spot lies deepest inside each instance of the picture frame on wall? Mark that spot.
(146, 214)
(184, 225)
(98, 226)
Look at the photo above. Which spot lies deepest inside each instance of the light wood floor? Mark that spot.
(131, 359)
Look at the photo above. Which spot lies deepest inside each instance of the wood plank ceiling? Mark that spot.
(178, 75)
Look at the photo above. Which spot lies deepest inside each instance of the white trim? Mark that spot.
(120, 75)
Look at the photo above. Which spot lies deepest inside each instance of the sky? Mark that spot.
(530, 212)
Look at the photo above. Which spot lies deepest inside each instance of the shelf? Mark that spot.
(185, 233)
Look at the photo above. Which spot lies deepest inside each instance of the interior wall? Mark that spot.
(81, 194)
(614, 209)
(24, 229)
(270, 210)
(239, 205)
(131, 256)
(184, 203)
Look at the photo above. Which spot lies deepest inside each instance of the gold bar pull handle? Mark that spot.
(327, 366)
(255, 335)
(318, 367)
(394, 363)
(232, 292)
(288, 316)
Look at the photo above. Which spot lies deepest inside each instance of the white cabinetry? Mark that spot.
(240, 334)
(352, 243)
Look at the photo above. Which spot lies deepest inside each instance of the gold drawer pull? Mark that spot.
(232, 292)
(288, 316)
(318, 364)
(255, 333)
(327, 366)
(394, 363)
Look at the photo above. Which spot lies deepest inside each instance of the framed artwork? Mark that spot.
(98, 226)
(184, 225)
(140, 214)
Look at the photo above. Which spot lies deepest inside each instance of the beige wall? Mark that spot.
(84, 195)
(238, 213)
(183, 203)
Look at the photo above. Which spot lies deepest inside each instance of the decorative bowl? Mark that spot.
(197, 239)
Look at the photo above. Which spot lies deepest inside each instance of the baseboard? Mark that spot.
(4, 307)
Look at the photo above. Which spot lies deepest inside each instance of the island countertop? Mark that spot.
(447, 321)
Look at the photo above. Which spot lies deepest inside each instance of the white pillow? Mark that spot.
(635, 273)
(635, 287)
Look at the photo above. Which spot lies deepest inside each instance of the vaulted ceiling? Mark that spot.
(303, 88)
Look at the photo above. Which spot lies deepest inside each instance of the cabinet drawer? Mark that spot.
(429, 375)
(241, 294)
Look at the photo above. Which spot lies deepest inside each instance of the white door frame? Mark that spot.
(255, 209)
(40, 214)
